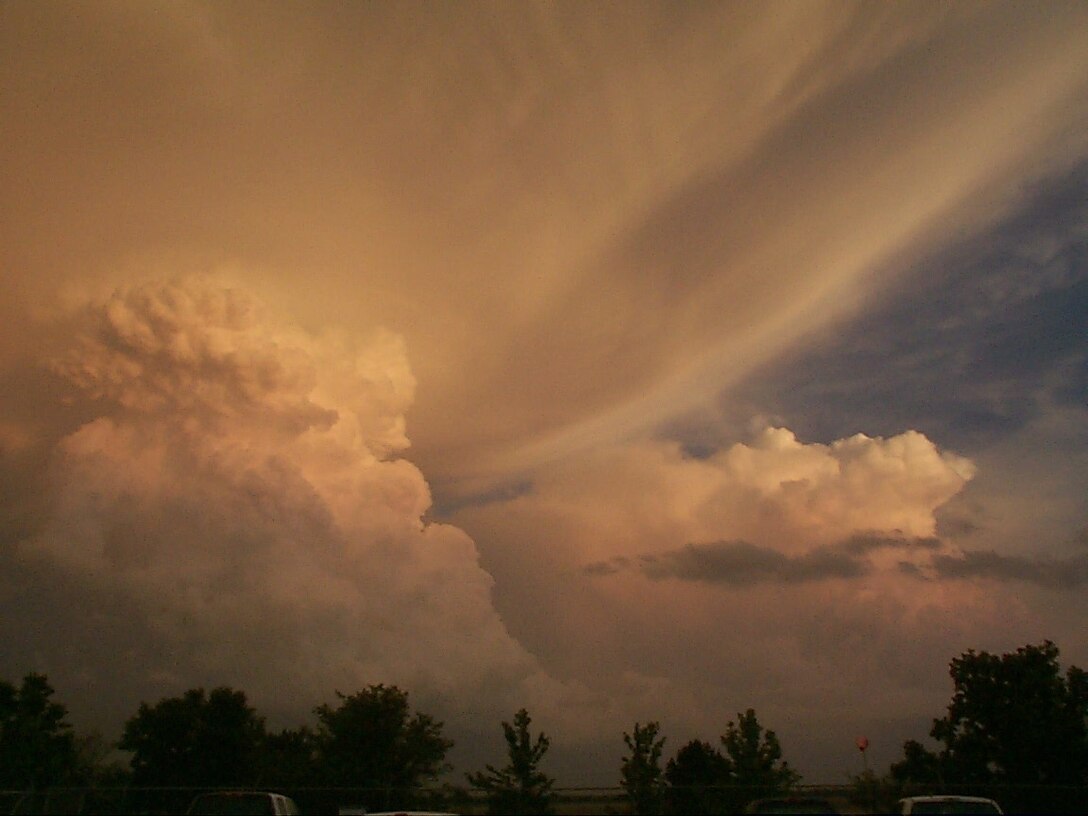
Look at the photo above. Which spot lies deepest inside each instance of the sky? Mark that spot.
(624, 362)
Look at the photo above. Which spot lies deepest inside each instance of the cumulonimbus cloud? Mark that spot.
(772, 491)
(239, 485)
(727, 576)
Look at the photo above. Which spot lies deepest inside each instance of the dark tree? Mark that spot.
(756, 757)
(195, 740)
(641, 771)
(37, 745)
(1013, 719)
(95, 768)
(919, 765)
(520, 787)
(372, 740)
(697, 776)
(289, 759)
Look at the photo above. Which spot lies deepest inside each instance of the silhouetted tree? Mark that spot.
(372, 740)
(211, 740)
(1013, 719)
(640, 772)
(696, 777)
(756, 756)
(289, 759)
(37, 745)
(520, 787)
(94, 765)
(918, 765)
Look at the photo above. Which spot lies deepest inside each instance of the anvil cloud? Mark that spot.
(625, 362)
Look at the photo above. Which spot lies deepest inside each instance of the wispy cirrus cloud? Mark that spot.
(1000, 314)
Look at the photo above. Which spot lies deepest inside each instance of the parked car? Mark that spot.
(243, 803)
(948, 804)
(792, 804)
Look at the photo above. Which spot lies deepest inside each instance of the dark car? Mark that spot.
(948, 804)
(792, 804)
(243, 803)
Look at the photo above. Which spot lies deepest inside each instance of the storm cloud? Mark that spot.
(620, 361)
(238, 492)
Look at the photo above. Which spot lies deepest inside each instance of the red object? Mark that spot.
(862, 743)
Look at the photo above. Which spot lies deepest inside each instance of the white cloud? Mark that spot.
(813, 534)
(775, 490)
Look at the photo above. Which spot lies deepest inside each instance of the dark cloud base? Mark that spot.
(1059, 574)
(742, 564)
(738, 564)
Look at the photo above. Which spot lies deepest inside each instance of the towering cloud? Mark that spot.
(773, 490)
(240, 490)
(717, 581)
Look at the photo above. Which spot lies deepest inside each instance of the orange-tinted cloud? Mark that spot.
(240, 486)
(576, 222)
(638, 205)
(724, 579)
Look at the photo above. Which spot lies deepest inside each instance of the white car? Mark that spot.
(948, 804)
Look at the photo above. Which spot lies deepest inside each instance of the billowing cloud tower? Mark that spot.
(240, 491)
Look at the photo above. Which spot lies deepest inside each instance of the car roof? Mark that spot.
(241, 793)
(791, 804)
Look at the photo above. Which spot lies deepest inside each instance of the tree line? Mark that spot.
(1014, 719)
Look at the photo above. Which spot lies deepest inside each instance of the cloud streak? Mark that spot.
(737, 564)
(1057, 574)
(741, 564)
